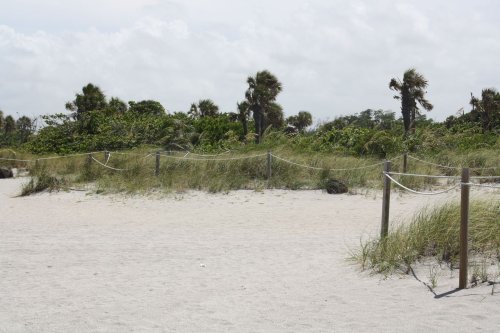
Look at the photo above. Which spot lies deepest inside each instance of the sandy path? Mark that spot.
(195, 262)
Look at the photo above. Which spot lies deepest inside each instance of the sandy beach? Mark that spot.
(243, 261)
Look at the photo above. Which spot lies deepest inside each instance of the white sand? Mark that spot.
(196, 262)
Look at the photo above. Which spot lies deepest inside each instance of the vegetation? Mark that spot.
(260, 97)
(96, 123)
(434, 233)
(411, 90)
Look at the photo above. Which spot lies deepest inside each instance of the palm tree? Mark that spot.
(204, 108)
(92, 98)
(274, 116)
(25, 127)
(411, 91)
(488, 107)
(9, 125)
(260, 95)
(243, 114)
(302, 120)
(207, 108)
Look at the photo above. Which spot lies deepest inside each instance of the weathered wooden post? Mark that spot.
(405, 162)
(157, 168)
(464, 228)
(386, 200)
(269, 162)
(106, 156)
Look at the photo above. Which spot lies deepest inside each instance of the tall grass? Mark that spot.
(223, 175)
(434, 233)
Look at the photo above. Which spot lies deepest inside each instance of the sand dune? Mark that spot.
(245, 261)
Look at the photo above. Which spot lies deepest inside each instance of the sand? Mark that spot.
(244, 261)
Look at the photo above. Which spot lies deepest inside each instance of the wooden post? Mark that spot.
(106, 156)
(386, 200)
(269, 161)
(464, 226)
(405, 162)
(157, 168)
(89, 159)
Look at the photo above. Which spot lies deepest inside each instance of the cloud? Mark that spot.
(333, 57)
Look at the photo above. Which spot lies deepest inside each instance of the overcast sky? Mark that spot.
(333, 57)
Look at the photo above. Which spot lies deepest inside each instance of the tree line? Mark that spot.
(95, 122)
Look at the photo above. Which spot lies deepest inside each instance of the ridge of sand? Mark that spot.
(245, 261)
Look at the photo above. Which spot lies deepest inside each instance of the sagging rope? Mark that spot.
(213, 159)
(485, 177)
(65, 156)
(420, 175)
(107, 166)
(482, 185)
(418, 192)
(446, 166)
(15, 159)
(316, 168)
(48, 158)
(440, 176)
(191, 153)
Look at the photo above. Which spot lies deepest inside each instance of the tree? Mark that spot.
(204, 108)
(207, 108)
(9, 125)
(261, 93)
(118, 106)
(91, 99)
(25, 128)
(146, 108)
(274, 116)
(384, 120)
(243, 115)
(411, 90)
(302, 120)
(488, 107)
(193, 111)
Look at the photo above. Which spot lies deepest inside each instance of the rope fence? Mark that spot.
(465, 184)
(317, 168)
(447, 166)
(107, 166)
(418, 192)
(212, 159)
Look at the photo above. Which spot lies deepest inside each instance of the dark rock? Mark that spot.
(6, 173)
(334, 186)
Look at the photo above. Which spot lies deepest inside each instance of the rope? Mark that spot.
(66, 156)
(417, 192)
(482, 185)
(188, 152)
(448, 167)
(316, 168)
(485, 177)
(213, 159)
(208, 155)
(104, 165)
(435, 164)
(14, 159)
(420, 175)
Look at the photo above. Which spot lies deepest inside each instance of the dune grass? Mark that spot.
(230, 171)
(434, 233)
(225, 172)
